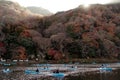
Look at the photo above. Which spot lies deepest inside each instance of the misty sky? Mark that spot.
(61, 5)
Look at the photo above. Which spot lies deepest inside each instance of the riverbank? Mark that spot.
(91, 60)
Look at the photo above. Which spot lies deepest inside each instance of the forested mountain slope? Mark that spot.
(86, 32)
(92, 32)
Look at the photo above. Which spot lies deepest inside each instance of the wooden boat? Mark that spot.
(44, 69)
(58, 75)
(72, 68)
(105, 69)
(31, 72)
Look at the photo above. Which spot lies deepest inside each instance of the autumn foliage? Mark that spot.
(78, 33)
(56, 55)
(94, 30)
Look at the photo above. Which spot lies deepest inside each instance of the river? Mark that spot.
(86, 72)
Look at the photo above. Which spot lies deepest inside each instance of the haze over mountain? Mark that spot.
(61, 5)
(92, 32)
(12, 10)
(39, 10)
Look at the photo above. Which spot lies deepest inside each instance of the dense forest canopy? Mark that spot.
(78, 33)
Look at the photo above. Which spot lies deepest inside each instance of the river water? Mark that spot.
(18, 74)
(114, 75)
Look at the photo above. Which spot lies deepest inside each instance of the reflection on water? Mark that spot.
(114, 75)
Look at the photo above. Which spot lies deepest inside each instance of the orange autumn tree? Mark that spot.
(54, 54)
(19, 53)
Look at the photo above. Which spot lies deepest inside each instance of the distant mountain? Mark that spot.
(39, 10)
(11, 12)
